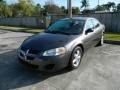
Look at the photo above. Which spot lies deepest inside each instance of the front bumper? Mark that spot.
(45, 63)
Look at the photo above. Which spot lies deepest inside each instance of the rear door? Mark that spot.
(89, 38)
(97, 31)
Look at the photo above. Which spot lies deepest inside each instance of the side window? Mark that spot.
(96, 23)
(89, 24)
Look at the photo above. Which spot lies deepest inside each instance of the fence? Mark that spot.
(23, 21)
(110, 20)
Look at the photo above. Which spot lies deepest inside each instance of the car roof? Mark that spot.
(78, 18)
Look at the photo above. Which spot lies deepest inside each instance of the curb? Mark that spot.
(20, 31)
(112, 42)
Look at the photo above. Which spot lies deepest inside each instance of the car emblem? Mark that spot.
(25, 54)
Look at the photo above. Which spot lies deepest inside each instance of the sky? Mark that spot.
(75, 3)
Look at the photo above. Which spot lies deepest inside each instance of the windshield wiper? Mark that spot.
(66, 33)
(60, 32)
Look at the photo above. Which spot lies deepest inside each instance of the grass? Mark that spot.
(112, 36)
(21, 29)
(107, 36)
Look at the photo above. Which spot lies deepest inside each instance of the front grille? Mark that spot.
(30, 50)
(23, 49)
(30, 58)
(34, 51)
(29, 55)
(21, 54)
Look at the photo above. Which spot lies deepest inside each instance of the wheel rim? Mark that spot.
(102, 40)
(77, 58)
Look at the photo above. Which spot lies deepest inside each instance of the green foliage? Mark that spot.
(5, 10)
(37, 10)
(75, 10)
(22, 8)
(112, 36)
(25, 7)
(85, 4)
(28, 8)
(1, 1)
(103, 7)
(110, 6)
(64, 10)
(52, 8)
(15, 10)
(118, 7)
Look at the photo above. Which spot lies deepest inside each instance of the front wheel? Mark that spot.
(75, 58)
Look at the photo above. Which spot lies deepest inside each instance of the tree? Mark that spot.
(2, 4)
(99, 8)
(5, 10)
(118, 7)
(25, 7)
(103, 7)
(37, 10)
(75, 10)
(1, 1)
(85, 4)
(15, 10)
(52, 8)
(111, 5)
(64, 10)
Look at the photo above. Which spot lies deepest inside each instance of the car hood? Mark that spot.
(46, 41)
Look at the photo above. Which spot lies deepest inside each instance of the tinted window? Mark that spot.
(89, 24)
(69, 26)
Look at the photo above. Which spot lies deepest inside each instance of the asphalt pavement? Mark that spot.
(99, 69)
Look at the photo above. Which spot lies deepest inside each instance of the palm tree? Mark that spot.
(105, 7)
(2, 1)
(111, 5)
(85, 4)
(118, 7)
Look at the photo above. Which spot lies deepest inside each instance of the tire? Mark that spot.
(75, 58)
(101, 42)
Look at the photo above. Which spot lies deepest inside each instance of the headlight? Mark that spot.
(54, 52)
(18, 50)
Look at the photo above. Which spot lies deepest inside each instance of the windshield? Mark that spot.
(69, 26)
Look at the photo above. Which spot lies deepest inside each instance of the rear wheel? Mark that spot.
(75, 58)
(101, 42)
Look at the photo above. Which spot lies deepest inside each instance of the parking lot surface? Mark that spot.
(99, 69)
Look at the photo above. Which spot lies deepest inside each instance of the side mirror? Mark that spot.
(49, 25)
(88, 31)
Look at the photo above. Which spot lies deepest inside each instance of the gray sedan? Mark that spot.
(62, 44)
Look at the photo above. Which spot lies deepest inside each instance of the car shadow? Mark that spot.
(13, 75)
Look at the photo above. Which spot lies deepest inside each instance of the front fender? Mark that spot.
(73, 44)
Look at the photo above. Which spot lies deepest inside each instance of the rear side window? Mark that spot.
(89, 24)
(96, 23)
